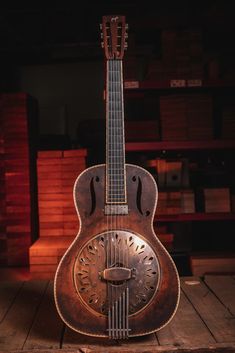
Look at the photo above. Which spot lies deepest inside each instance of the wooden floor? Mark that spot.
(205, 321)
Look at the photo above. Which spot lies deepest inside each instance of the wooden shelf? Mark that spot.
(180, 145)
(176, 84)
(195, 217)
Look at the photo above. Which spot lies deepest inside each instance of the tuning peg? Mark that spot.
(126, 35)
(101, 35)
(102, 44)
(127, 26)
(101, 26)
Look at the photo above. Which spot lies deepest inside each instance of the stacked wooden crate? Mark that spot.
(147, 130)
(165, 237)
(186, 117)
(182, 56)
(187, 201)
(58, 221)
(3, 235)
(209, 263)
(228, 122)
(17, 164)
(182, 53)
(217, 200)
(169, 202)
(173, 118)
(199, 116)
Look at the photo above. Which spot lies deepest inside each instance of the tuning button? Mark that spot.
(127, 26)
(101, 35)
(101, 26)
(102, 44)
(126, 35)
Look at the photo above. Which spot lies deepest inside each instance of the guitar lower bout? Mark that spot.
(116, 273)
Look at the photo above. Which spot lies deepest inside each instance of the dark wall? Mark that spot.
(66, 94)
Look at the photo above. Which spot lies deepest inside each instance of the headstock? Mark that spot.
(114, 35)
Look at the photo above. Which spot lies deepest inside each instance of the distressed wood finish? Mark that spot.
(69, 305)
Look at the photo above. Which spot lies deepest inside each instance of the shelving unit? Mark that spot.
(180, 145)
(195, 150)
(195, 217)
(178, 83)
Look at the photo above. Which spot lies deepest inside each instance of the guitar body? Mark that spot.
(127, 240)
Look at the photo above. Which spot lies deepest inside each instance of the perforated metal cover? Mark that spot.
(116, 249)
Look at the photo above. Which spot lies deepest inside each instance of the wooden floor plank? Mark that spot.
(47, 327)
(148, 340)
(17, 323)
(185, 328)
(218, 319)
(224, 288)
(215, 348)
(76, 340)
(8, 292)
(73, 339)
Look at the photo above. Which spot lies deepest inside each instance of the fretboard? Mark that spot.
(115, 144)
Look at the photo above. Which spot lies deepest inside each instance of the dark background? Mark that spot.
(52, 51)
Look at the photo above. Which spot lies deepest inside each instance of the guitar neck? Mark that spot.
(115, 142)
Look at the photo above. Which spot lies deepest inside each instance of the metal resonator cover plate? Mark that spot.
(115, 249)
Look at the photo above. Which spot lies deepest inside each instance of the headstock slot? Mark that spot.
(114, 36)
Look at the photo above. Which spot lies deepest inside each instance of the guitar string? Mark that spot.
(111, 186)
(107, 242)
(121, 109)
(121, 171)
(115, 181)
(113, 146)
(120, 181)
(122, 189)
(125, 261)
(116, 193)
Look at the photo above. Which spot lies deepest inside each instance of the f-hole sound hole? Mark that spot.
(147, 213)
(93, 196)
(138, 195)
(97, 179)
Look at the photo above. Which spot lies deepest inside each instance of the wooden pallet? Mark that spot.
(203, 323)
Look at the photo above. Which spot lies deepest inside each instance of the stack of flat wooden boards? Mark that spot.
(205, 263)
(58, 220)
(17, 177)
